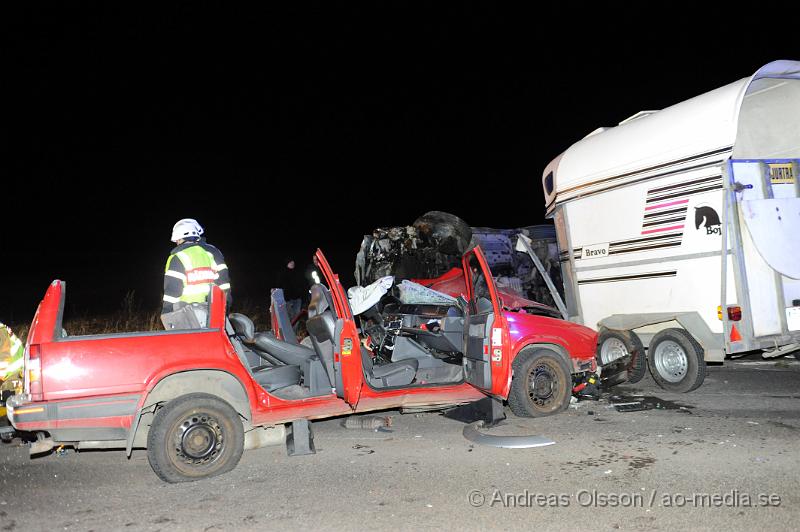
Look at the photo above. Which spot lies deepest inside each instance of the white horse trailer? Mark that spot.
(679, 230)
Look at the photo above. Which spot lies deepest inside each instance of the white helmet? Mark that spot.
(186, 228)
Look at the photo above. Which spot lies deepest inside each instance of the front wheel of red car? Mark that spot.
(542, 384)
(194, 436)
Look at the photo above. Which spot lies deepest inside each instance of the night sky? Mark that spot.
(308, 125)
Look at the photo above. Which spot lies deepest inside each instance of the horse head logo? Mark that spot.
(705, 216)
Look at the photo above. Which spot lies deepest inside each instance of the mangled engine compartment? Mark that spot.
(436, 241)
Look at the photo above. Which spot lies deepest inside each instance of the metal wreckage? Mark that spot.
(435, 243)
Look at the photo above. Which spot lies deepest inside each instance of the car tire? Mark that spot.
(541, 385)
(611, 343)
(194, 436)
(676, 360)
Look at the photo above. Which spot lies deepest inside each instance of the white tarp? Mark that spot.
(416, 294)
(363, 297)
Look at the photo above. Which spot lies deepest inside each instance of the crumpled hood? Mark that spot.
(512, 301)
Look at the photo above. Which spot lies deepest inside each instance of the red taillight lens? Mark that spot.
(735, 313)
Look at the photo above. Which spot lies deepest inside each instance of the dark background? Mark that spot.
(308, 125)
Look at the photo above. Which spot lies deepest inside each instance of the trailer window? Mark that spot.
(548, 183)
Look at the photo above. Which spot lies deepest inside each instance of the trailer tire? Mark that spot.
(676, 360)
(542, 384)
(194, 436)
(612, 345)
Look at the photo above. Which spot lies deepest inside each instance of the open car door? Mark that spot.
(347, 366)
(486, 338)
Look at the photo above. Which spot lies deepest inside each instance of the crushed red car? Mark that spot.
(196, 398)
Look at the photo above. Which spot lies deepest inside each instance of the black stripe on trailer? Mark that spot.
(633, 277)
(644, 248)
(633, 182)
(668, 211)
(683, 184)
(685, 193)
(664, 221)
(645, 239)
(691, 158)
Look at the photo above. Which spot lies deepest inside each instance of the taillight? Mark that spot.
(33, 373)
(734, 313)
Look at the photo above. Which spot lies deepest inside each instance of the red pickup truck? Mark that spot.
(196, 398)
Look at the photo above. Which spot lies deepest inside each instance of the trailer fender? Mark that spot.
(712, 343)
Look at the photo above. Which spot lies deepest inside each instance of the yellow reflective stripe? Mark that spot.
(185, 259)
(196, 298)
(170, 273)
(225, 286)
(170, 299)
(15, 366)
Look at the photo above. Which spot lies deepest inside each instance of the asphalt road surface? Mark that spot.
(722, 457)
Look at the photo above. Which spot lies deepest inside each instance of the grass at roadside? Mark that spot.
(132, 317)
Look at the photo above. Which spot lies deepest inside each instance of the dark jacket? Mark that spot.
(173, 285)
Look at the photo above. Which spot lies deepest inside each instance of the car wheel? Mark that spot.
(614, 345)
(542, 384)
(194, 436)
(676, 360)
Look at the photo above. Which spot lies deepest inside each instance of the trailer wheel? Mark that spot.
(676, 360)
(542, 384)
(194, 436)
(613, 345)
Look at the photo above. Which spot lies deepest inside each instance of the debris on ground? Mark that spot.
(634, 403)
(473, 432)
(367, 422)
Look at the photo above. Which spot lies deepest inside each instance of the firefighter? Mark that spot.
(193, 267)
(11, 361)
(292, 281)
(11, 350)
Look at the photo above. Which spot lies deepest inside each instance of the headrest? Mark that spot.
(243, 326)
(320, 300)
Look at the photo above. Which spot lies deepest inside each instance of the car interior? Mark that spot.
(402, 345)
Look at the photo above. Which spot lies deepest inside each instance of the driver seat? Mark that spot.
(321, 327)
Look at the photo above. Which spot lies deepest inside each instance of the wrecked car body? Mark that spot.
(525, 265)
(196, 398)
(435, 242)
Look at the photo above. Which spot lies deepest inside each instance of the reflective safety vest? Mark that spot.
(11, 351)
(201, 273)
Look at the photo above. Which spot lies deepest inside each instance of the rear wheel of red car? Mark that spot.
(542, 384)
(194, 436)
